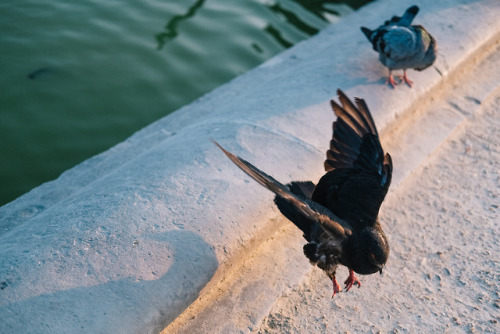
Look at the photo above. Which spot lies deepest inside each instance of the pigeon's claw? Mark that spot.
(351, 280)
(336, 285)
(390, 81)
(405, 79)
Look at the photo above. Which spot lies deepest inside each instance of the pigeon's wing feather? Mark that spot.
(429, 46)
(306, 211)
(313, 225)
(355, 137)
(358, 172)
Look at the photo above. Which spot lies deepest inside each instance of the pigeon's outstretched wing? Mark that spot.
(303, 212)
(359, 173)
(355, 140)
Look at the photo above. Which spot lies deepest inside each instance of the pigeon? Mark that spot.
(339, 215)
(401, 45)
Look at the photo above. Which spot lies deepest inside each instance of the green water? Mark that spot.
(78, 77)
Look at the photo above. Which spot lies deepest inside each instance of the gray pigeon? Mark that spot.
(401, 45)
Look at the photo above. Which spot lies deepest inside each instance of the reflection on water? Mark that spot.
(71, 88)
(316, 7)
(276, 34)
(170, 31)
(321, 8)
(294, 19)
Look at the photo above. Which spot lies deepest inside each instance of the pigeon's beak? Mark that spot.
(380, 271)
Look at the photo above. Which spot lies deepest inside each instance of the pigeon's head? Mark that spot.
(371, 251)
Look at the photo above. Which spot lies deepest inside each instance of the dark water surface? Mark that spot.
(77, 77)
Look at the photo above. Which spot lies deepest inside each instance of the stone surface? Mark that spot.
(127, 240)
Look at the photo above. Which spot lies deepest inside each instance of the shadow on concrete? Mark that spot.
(112, 307)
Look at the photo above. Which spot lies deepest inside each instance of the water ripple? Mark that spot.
(78, 77)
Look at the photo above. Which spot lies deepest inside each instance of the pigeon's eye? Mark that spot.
(372, 256)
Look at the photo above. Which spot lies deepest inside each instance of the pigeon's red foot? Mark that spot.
(336, 286)
(405, 79)
(351, 280)
(390, 81)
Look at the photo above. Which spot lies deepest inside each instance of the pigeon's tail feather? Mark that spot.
(408, 16)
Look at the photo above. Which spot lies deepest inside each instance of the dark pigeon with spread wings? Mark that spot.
(339, 216)
(401, 45)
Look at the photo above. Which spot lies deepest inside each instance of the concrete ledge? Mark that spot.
(127, 240)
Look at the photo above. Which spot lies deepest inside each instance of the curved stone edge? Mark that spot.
(125, 241)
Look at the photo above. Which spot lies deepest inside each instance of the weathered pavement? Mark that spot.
(162, 230)
(442, 221)
(441, 216)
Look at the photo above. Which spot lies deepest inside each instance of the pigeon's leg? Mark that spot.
(336, 286)
(390, 80)
(405, 79)
(351, 280)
